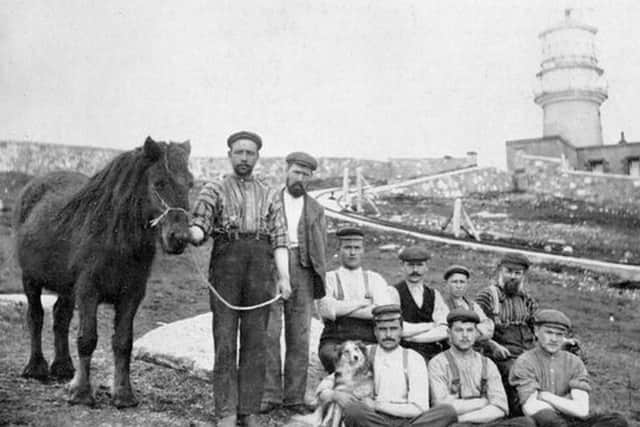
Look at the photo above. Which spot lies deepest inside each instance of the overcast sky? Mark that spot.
(371, 79)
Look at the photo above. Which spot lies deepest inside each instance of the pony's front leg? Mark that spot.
(80, 386)
(121, 342)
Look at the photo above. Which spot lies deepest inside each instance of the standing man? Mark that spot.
(401, 384)
(351, 294)
(468, 381)
(553, 384)
(457, 279)
(307, 231)
(511, 308)
(423, 308)
(246, 220)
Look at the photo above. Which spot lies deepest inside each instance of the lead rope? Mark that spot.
(154, 222)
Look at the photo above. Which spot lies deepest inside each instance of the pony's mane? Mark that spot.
(109, 208)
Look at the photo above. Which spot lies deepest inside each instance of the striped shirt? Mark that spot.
(536, 370)
(514, 310)
(244, 205)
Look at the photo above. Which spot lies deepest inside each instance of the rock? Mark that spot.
(567, 250)
(390, 247)
(187, 345)
(547, 248)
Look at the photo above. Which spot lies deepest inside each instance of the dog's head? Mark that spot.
(352, 359)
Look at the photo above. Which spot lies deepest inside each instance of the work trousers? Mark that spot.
(242, 271)
(551, 418)
(297, 323)
(360, 415)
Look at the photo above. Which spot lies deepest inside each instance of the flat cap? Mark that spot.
(387, 312)
(462, 315)
(303, 159)
(414, 253)
(350, 233)
(515, 259)
(456, 269)
(551, 317)
(243, 134)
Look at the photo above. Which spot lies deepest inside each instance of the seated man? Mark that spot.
(423, 308)
(552, 383)
(457, 279)
(351, 293)
(511, 309)
(401, 387)
(468, 381)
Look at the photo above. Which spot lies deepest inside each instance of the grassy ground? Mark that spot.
(170, 398)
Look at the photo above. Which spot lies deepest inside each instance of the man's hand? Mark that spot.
(284, 287)
(370, 403)
(196, 235)
(500, 352)
(343, 398)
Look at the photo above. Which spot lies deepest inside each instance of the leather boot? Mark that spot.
(250, 420)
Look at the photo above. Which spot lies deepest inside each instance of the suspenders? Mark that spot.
(455, 381)
(340, 290)
(405, 365)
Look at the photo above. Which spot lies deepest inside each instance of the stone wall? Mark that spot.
(547, 175)
(458, 184)
(38, 158)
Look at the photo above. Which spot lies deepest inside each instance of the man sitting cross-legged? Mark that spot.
(401, 391)
(468, 381)
(553, 384)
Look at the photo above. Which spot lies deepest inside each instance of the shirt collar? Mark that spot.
(242, 178)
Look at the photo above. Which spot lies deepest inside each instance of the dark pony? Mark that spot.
(92, 241)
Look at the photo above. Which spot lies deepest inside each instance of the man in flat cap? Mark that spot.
(307, 231)
(351, 294)
(511, 308)
(457, 280)
(401, 390)
(467, 380)
(423, 308)
(246, 220)
(553, 384)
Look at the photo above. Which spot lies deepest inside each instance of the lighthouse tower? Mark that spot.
(572, 87)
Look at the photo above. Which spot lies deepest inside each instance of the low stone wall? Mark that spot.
(459, 184)
(547, 175)
(36, 158)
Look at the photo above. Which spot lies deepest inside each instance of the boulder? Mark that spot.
(187, 345)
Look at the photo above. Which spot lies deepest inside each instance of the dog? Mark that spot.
(353, 374)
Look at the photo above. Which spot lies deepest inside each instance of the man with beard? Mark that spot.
(423, 308)
(467, 380)
(351, 294)
(246, 220)
(511, 308)
(306, 228)
(553, 384)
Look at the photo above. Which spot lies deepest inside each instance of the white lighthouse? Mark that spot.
(572, 87)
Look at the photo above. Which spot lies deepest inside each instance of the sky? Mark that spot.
(369, 79)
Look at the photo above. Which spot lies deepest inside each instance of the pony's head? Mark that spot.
(169, 182)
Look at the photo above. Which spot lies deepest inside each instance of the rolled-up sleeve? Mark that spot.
(440, 310)
(277, 222)
(579, 376)
(495, 390)
(204, 209)
(523, 377)
(418, 381)
(327, 304)
(439, 380)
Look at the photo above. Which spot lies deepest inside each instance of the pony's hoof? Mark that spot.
(36, 368)
(62, 370)
(124, 400)
(81, 396)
